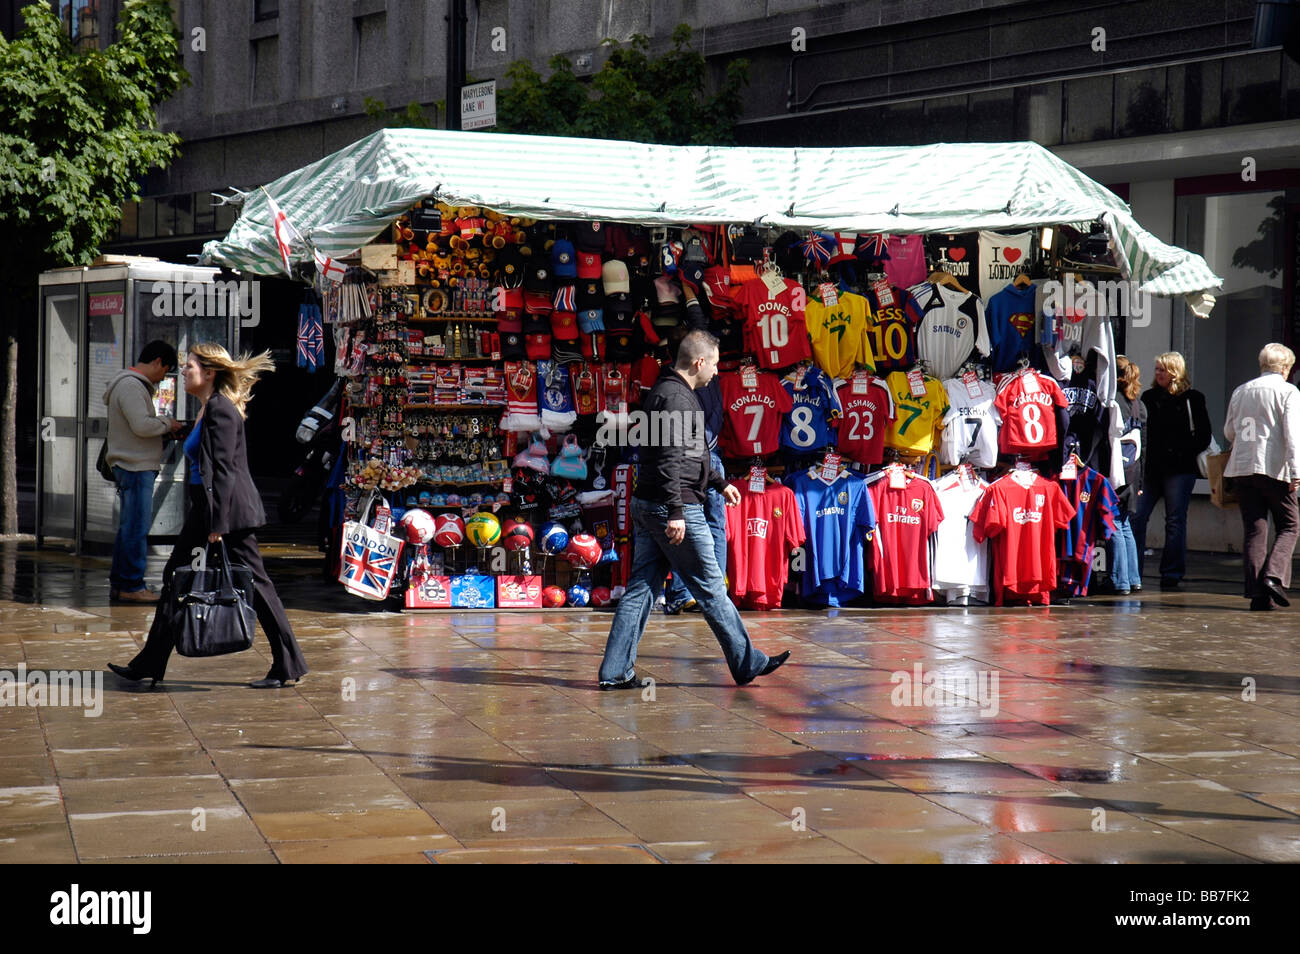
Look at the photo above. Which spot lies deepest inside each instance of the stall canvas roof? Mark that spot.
(344, 200)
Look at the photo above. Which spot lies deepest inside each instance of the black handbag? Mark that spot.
(211, 610)
(101, 464)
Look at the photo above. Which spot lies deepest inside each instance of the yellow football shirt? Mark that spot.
(838, 334)
(918, 420)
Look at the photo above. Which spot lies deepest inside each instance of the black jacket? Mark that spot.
(675, 471)
(233, 501)
(1135, 418)
(1174, 436)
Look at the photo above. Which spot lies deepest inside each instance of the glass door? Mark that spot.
(58, 425)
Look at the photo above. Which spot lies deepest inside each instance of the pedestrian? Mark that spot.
(1178, 429)
(678, 599)
(1124, 573)
(671, 532)
(224, 505)
(134, 450)
(1263, 424)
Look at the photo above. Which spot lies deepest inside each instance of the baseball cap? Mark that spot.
(537, 347)
(591, 294)
(591, 319)
(590, 236)
(564, 324)
(588, 264)
(615, 277)
(510, 266)
(512, 346)
(537, 278)
(563, 259)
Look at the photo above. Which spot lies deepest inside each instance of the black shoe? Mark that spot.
(132, 675)
(270, 682)
(1170, 586)
(1259, 603)
(773, 664)
(1275, 591)
(629, 683)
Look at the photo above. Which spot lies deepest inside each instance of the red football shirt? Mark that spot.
(761, 532)
(775, 331)
(1028, 403)
(753, 415)
(865, 418)
(906, 517)
(1021, 513)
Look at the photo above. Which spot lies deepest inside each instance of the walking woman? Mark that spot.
(1178, 429)
(1124, 551)
(223, 505)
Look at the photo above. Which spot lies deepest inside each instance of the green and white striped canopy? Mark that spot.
(344, 200)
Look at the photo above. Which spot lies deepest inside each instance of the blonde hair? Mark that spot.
(1276, 358)
(1176, 368)
(235, 377)
(1130, 377)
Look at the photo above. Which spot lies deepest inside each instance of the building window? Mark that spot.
(205, 219)
(80, 19)
(265, 10)
(266, 70)
(372, 50)
(128, 228)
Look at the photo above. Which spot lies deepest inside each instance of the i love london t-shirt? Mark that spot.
(1000, 259)
(958, 255)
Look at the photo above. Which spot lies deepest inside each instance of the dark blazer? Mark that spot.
(1175, 436)
(675, 473)
(233, 501)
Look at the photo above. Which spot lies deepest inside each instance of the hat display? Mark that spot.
(563, 259)
(590, 236)
(591, 294)
(588, 265)
(615, 277)
(537, 347)
(592, 319)
(512, 347)
(510, 266)
(538, 278)
(564, 324)
(537, 302)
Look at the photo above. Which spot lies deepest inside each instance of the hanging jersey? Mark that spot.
(949, 327)
(1087, 416)
(808, 426)
(891, 339)
(1010, 316)
(970, 429)
(1000, 260)
(1027, 404)
(960, 567)
(1020, 514)
(1079, 324)
(838, 334)
(761, 531)
(958, 255)
(906, 263)
(775, 330)
(837, 517)
(866, 412)
(918, 418)
(753, 415)
(907, 516)
(1096, 508)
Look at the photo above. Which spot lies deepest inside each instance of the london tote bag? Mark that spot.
(369, 559)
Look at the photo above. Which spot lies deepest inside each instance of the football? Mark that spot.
(579, 595)
(583, 551)
(517, 534)
(554, 539)
(449, 530)
(483, 529)
(417, 526)
(600, 596)
(553, 596)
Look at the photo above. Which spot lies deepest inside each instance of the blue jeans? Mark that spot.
(1124, 561)
(131, 548)
(693, 561)
(1176, 489)
(715, 514)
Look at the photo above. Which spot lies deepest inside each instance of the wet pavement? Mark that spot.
(1156, 729)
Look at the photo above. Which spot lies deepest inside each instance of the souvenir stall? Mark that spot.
(917, 375)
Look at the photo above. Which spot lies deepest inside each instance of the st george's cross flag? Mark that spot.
(285, 234)
(330, 268)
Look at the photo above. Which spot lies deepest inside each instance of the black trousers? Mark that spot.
(241, 545)
(1259, 497)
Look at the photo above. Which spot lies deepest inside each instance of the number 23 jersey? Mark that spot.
(917, 417)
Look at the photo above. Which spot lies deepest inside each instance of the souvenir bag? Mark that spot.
(570, 463)
(369, 554)
(211, 609)
(1203, 458)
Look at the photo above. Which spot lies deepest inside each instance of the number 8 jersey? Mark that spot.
(776, 331)
(1027, 403)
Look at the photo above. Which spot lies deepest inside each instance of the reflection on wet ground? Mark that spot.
(1139, 730)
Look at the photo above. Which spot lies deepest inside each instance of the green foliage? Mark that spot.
(412, 117)
(78, 131)
(635, 96)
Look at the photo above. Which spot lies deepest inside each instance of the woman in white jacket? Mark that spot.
(1264, 427)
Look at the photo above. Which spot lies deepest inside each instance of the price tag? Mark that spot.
(749, 377)
(972, 382)
(884, 294)
(1069, 471)
(916, 380)
(1030, 384)
(830, 468)
(775, 284)
(861, 382)
(799, 374)
(830, 296)
(897, 479)
(757, 479)
(383, 518)
(507, 485)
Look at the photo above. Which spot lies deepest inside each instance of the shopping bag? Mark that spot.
(1221, 493)
(211, 610)
(369, 557)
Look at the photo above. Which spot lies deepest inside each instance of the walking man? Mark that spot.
(135, 447)
(671, 530)
(1263, 424)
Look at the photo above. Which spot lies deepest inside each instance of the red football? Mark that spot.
(449, 530)
(517, 534)
(600, 596)
(553, 596)
(583, 551)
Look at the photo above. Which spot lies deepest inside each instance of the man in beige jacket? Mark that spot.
(1263, 424)
(135, 447)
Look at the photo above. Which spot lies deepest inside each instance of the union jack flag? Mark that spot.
(873, 248)
(818, 248)
(311, 341)
(366, 571)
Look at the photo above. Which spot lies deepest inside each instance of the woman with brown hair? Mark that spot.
(1178, 429)
(224, 505)
(1125, 575)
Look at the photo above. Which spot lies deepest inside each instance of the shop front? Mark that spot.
(917, 385)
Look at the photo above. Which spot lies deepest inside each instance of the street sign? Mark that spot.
(478, 105)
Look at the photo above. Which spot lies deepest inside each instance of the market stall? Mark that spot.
(898, 327)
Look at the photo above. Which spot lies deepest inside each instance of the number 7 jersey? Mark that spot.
(918, 418)
(752, 426)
